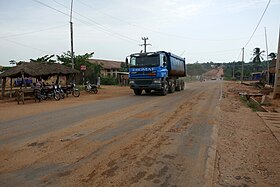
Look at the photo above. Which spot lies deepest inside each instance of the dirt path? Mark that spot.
(189, 138)
(121, 141)
(247, 153)
(11, 110)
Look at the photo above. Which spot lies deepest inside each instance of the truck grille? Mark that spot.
(144, 82)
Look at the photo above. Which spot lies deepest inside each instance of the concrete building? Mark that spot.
(109, 67)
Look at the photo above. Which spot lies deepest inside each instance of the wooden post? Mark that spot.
(23, 80)
(242, 65)
(3, 86)
(11, 86)
(276, 89)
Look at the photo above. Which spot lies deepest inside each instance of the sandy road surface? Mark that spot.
(121, 141)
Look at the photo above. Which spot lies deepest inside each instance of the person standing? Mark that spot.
(98, 81)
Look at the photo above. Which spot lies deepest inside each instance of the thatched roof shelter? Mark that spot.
(36, 69)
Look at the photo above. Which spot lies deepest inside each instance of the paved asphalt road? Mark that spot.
(146, 140)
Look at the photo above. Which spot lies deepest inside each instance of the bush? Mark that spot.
(108, 81)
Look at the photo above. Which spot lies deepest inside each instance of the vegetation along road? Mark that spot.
(146, 140)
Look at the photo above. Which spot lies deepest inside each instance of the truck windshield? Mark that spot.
(145, 61)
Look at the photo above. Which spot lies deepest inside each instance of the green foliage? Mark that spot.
(252, 105)
(257, 55)
(108, 80)
(249, 68)
(197, 68)
(93, 70)
(46, 58)
(272, 55)
(123, 67)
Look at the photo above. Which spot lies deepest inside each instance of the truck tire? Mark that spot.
(148, 91)
(137, 92)
(172, 87)
(178, 86)
(182, 85)
(164, 90)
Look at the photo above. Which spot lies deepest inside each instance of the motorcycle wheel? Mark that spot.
(95, 91)
(62, 95)
(43, 96)
(57, 96)
(76, 93)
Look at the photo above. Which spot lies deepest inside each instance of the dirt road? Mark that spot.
(127, 140)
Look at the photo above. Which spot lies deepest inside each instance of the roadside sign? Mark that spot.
(83, 67)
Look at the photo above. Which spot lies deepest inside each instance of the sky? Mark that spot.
(200, 31)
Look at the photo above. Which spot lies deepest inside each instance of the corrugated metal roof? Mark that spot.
(107, 64)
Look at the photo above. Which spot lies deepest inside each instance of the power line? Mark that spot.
(239, 55)
(108, 15)
(155, 31)
(31, 32)
(101, 27)
(26, 46)
(258, 24)
(214, 52)
(51, 8)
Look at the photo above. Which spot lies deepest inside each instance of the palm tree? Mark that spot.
(272, 55)
(46, 58)
(257, 55)
(13, 62)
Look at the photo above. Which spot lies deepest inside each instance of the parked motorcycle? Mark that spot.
(50, 93)
(37, 94)
(61, 92)
(70, 89)
(91, 88)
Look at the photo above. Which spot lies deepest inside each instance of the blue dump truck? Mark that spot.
(156, 71)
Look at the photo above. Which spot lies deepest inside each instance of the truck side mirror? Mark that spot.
(164, 61)
(126, 61)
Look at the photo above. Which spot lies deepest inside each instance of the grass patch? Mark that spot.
(254, 106)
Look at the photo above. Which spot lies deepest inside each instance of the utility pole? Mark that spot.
(145, 43)
(242, 66)
(71, 35)
(266, 55)
(233, 71)
(276, 86)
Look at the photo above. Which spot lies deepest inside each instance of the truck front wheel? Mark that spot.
(164, 90)
(137, 92)
(148, 91)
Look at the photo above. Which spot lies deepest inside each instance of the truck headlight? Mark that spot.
(131, 82)
(157, 81)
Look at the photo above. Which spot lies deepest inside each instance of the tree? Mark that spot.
(272, 55)
(257, 55)
(124, 67)
(79, 60)
(13, 62)
(46, 58)
(93, 70)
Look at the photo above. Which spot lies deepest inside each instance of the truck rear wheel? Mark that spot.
(137, 92)
(178, 86)
(172, 87)
(182, 85)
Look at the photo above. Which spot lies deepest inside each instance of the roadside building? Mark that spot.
(109, 67)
